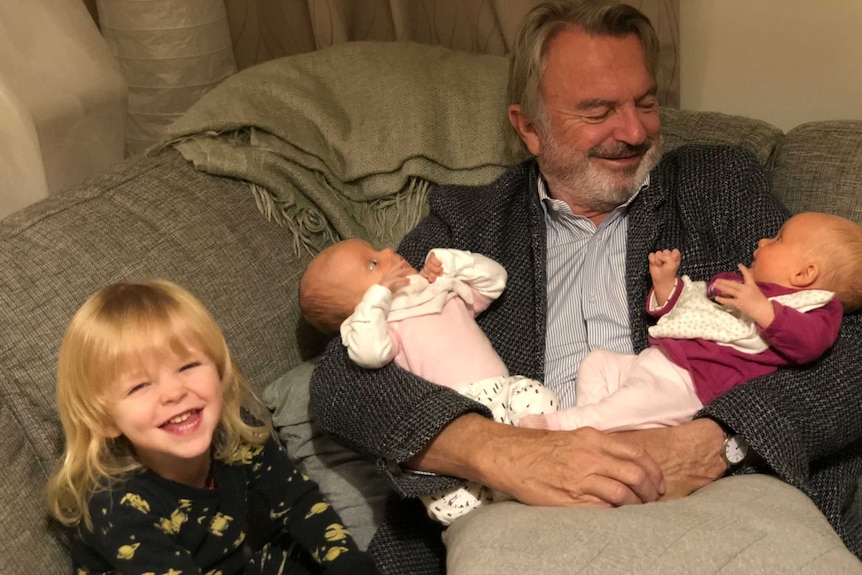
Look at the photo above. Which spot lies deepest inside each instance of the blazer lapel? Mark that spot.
(539, 252)
(645, 226)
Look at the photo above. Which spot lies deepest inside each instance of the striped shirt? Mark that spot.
(587, 303)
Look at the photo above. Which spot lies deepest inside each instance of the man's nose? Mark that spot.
(630, 126)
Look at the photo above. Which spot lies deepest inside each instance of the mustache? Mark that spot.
(621, 150)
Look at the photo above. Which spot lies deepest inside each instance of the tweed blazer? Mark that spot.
(713, 203)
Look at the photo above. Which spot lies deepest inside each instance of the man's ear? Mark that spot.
(805, 277)
(525, 128)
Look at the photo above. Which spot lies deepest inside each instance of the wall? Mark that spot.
(783, 61)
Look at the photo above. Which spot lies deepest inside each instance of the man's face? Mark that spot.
(599, 136)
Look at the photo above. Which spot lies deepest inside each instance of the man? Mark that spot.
(573, 229)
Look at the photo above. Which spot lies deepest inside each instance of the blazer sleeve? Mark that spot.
(795, 417)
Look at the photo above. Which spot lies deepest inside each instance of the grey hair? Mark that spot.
(528, 55)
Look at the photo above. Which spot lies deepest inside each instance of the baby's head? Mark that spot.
(814, 251)
(337, 278)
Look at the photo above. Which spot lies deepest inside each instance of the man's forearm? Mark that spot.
(458, 450)
(583, 467)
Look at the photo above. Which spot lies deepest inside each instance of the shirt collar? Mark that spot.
(559, 205)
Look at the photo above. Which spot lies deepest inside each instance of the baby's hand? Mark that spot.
(664, 264)
(533, 422)
(746, 297)
(396, 275)
(433, 268)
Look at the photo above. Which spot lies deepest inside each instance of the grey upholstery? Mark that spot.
(159, 217)
(151, 217)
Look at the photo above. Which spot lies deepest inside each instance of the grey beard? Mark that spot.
(594, 190)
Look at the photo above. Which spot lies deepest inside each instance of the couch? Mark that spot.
(228, 228)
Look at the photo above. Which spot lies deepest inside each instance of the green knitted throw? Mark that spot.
(345, 142)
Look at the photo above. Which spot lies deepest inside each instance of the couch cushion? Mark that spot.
(679, 127)
(736, 526)
(25, 544)
(818, 167)
(150, 217)
(350, 482)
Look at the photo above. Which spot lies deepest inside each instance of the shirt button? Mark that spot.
(593, 299)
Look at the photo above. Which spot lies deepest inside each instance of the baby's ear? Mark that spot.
(805, 277)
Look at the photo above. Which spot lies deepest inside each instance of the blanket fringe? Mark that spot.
(384, 221)
(388, 219)
(310, 229)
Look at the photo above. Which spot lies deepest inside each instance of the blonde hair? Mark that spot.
(528, 56)
(114, 331)
(840, 247)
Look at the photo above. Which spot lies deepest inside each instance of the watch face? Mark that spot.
(735, 450)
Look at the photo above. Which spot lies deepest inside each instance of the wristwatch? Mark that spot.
(735, 449)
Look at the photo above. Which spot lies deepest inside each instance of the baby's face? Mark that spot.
(363, 265)
(777, 259)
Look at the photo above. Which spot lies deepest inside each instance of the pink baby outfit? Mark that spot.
(430, 330)
(699, 350)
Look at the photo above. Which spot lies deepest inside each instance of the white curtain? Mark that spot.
(171, 52)
(62, 100)
(266, 29)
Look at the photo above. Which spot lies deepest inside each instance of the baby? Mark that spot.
(424, 321)
(712, 336)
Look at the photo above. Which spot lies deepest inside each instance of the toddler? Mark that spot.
(165, 447)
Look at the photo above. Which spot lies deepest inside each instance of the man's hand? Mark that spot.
(583, 467)
(746, 297)
(663, 266)
(689, 454)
